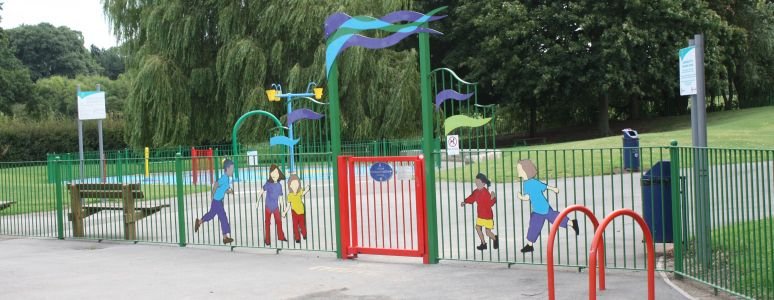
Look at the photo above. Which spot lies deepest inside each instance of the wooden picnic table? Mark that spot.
(127, 192)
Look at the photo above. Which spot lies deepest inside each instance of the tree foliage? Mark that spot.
(582, 62)
(199, 65)
(14, 77)
(111, 60)
(47, 50)
(57, 95)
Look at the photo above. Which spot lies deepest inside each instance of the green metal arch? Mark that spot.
(235, 143)
(454, 75)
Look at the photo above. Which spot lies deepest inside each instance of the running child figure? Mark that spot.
(541, 210)
(219, 190)
(272, 191)
(296, 200)
(485, 217)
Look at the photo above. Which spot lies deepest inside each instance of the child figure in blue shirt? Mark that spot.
(219, 191)
(541, 209)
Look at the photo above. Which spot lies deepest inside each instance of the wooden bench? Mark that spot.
(127, 192)
(6, 204)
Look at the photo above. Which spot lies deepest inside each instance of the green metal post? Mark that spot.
(335, 124)
(120, 167)
(216, 160)
(59, 205)
(427, 145)
(180, 199)
(677, 230)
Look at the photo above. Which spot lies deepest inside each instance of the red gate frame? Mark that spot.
(348, 208)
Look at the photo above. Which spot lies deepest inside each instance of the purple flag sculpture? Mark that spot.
(302, 114)
(449, 94)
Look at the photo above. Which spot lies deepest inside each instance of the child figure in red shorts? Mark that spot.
(485, 217)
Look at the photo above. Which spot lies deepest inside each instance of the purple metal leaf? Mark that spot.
(301, 114)
(450, 94)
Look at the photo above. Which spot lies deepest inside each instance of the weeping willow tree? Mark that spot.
(198, 65)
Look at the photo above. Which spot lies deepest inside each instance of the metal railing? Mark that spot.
(710, 210)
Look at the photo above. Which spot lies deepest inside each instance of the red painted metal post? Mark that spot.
(352, 210)
(598, 240)
(343, 207)
(421, 210)
(550, 249)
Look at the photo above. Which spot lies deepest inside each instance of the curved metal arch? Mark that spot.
(454, 75)
(235, 143)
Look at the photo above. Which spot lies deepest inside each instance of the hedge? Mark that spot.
(22, 140)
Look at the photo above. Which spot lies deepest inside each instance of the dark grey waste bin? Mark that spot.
(631, 150)
(657, 201)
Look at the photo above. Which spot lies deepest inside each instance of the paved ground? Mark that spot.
(52, 269)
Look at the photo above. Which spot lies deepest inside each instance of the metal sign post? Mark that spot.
(101, 148)
(693, 84)
(91, 106)
(80, 138)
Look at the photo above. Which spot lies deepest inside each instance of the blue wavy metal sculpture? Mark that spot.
(342, 31)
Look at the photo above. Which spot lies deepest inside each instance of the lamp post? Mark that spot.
(276, 94)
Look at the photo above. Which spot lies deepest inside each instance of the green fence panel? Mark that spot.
(728, 228)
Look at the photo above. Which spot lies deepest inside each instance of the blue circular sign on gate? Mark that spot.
(381, 171)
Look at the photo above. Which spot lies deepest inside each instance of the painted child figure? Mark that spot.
(296, 201)
(485, 217)
(219, 190)
(272, 191)
(541, 209)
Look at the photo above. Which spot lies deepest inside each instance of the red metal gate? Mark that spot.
(382, 206)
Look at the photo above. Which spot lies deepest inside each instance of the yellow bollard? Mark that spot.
(147, 158)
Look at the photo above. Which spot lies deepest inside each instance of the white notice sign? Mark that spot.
(91, 106)
(452, 145)
(687, 67)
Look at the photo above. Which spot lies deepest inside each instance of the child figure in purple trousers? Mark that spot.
(219, 190)
(541, 210)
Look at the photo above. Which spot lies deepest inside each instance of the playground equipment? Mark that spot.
(235, 142)
(275, 94)
(197, 156)
(597, 251)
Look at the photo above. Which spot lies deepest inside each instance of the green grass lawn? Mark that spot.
(742, 258)
(29, 187)
(750, 128)
(746, 128)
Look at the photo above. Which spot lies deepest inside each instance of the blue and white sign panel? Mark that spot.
(381, 171)
(91, 106)
(687, 68)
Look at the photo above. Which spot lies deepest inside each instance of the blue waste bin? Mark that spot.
(657, 201)
(631, 150)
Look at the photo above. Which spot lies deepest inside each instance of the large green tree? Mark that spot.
(15, 83)
(111, 60)
(48, 50)
(578, 61)
(199, 65)
(749, 48)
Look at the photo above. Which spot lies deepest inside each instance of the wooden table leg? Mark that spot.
(76, 211)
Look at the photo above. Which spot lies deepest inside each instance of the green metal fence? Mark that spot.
(595, 178)
(722, 220)
(727, 219)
